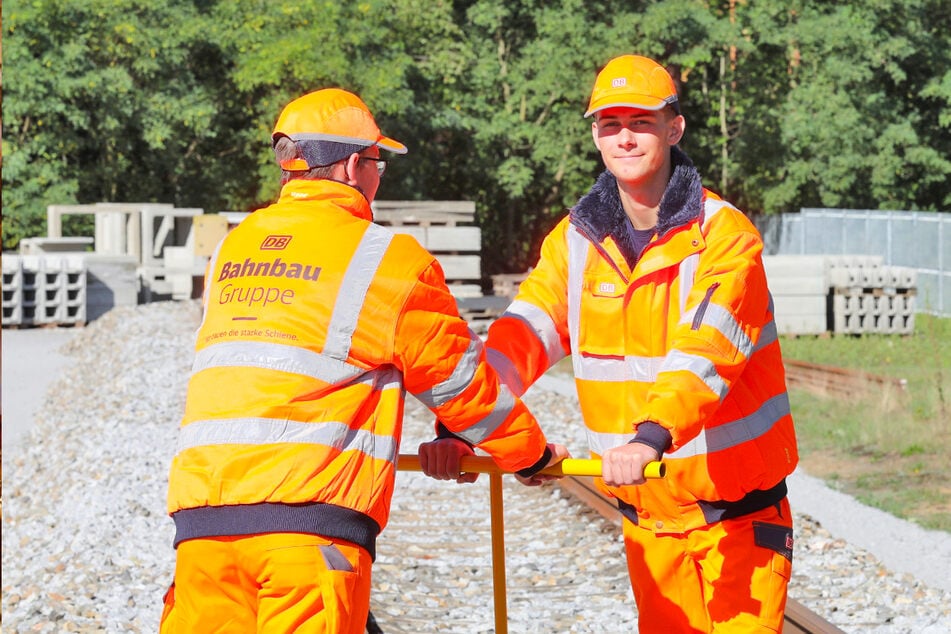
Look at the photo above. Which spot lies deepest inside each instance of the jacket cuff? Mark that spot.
(443, 432)
(538, 466)
(654, 436)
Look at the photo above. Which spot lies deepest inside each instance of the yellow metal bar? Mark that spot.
(498, 554)
(567, 467)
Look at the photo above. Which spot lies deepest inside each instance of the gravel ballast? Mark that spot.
(87, 543)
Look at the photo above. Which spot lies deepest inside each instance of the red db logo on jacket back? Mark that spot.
(275, 243)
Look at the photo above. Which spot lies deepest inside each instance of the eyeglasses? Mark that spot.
(380, 163)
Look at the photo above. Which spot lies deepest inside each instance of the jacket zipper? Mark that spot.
(702, 307)
(603, 252)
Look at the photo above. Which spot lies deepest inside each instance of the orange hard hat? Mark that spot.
(328, 125)
(633, 81)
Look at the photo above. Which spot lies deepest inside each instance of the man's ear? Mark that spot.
(677, 127)
(350, 169)
(594, 134)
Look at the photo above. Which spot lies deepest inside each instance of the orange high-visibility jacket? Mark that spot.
(679, 350)
(316, 322)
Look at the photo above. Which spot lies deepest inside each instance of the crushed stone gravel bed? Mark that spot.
(87, 543)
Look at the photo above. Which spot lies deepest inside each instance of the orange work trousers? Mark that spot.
(273, 583)
(730, 576)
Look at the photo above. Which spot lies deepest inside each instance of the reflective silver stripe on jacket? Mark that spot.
(356, 280)
(541, 324)
(485, 427)
(701, 367)
(577, 255)
(618, 369)
(687, 274)
(719, 438)
(711, 207)
(725, 323)
(736, 432)
(460, 378)
(267, 431)
(276, 356)
(508, 373)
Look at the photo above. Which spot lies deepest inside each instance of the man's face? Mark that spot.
(634, 143)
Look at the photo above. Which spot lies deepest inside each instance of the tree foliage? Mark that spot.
(788, 104)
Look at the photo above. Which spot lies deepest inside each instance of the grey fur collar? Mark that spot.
(599, 213)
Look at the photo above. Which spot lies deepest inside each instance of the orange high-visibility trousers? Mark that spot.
(274, 583)
(730, 576)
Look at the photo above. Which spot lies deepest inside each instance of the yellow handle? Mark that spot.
(592, 467)
(567, 467)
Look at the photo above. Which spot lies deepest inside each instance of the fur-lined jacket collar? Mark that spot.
(599, 213)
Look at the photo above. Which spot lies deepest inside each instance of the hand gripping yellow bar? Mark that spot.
(567, 467)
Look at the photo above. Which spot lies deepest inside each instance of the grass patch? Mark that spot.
(890, 457)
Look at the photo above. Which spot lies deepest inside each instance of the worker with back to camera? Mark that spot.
(656, 288)
(316, 322)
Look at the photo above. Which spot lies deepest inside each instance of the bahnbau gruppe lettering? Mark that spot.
(262, 295)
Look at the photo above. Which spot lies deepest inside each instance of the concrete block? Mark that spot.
(40, 245)
(794, 266)
(461, 267)
(802, 315)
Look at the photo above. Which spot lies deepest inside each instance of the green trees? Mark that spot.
(789, 104)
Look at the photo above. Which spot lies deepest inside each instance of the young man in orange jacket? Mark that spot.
(656, 288)
(316, 322)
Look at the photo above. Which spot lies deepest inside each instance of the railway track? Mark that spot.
(563, 561)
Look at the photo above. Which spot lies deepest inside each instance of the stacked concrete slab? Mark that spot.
(46, 289)
(868, 296)
(799, 288)
(847, 294)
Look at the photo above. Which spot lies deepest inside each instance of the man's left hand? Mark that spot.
(442, 459)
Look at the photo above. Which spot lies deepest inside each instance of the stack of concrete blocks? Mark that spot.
(868, 296)
(800, 290)
(446, 229)
(844, 294)
(44, 289)
(139, 233)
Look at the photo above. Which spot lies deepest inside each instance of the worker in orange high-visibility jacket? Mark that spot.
(656, 288)
(316, 322)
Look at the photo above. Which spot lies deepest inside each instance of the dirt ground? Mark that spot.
(915, 487)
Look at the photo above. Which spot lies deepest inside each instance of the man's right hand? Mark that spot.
(442, 459)
(625, 465)
(558, 453)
